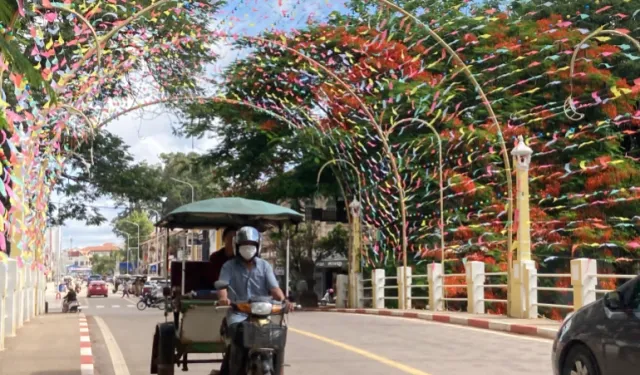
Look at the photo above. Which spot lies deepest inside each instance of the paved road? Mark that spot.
(323, 343)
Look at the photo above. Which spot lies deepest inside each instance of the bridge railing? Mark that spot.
(583, 288)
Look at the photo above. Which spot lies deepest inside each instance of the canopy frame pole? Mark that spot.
(184, 265)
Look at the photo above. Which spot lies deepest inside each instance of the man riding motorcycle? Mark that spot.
(248, 276)
(70, 297)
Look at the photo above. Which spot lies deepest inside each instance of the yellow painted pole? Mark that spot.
(522, 158)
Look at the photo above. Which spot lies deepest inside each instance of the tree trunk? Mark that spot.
(308, 298)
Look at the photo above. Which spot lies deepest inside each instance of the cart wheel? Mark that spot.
(166, 349)
(154, 353)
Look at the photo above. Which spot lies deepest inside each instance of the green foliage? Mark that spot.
(103, 264)
(130, 225)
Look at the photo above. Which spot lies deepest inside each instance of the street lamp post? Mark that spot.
(157, 239)
(128, 249)
(193, 198)
(138, 246)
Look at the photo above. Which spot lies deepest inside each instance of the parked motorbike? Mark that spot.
(71, 307)
(328, 298)
(148, 300)
(264, 335)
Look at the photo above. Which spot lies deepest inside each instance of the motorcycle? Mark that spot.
(148, 300)
(71, 307)
(264, 336)
(328, 298)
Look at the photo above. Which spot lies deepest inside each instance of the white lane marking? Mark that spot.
(115, 306)
(84, 330)
(85, 351)
(478, 330)
(100, 307)
(85, 339)
(117, 359)
(131, 306)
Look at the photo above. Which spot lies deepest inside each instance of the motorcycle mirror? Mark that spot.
(221, 285)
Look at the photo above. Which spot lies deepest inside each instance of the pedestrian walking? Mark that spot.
(125, 289)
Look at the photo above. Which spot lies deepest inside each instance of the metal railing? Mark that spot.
(476, 295)
(494, 286)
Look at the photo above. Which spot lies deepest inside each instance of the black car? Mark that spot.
(602, 338)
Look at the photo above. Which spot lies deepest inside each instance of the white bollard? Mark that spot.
(377, 288)
(359, 291)
(3, 292)
(20, 296)
(408, 280)
(435, 274)
(43, 293)
(475, 287)
(28, 294)
(342, 290)
(531, 288)
(584, 281)
(11, 299)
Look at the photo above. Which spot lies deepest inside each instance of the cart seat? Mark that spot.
(201, 321)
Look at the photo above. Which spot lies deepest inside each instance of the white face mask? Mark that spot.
(247, 251)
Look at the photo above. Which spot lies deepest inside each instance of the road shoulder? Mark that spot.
(543, 328)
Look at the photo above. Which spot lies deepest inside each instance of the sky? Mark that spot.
(149, 132)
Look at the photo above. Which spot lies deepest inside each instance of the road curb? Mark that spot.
(527, 330)
(86, 355)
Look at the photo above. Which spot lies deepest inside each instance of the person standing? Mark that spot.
(125, 289)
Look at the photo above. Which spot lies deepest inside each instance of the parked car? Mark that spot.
(93, 278)
(97, 288)
(602, 337)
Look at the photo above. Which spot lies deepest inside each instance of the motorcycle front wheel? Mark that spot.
(141, 305)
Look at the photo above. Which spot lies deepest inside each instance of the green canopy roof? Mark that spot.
(225, 212)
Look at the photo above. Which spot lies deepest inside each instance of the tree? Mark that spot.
(306, 249)
(103, 265)
(188, 168)
(124, 225)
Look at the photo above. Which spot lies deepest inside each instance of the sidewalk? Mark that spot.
(47, 345)
(532, 327)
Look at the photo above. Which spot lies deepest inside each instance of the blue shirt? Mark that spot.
(247, 283)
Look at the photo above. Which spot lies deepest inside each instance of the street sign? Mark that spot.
(279, 271)
(331, 264)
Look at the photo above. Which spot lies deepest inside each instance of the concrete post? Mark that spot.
(3, 293)
(435, 273)
(28, 293)
(11, 311)
(359, 290)
(20, 295)
(584, 281)
(531, 288)
(520, 293)
(377, 288)
(401, 288)
(342, 289)
(475, 287)
(41, 284)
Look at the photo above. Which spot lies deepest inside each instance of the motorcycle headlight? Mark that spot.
(261, 308)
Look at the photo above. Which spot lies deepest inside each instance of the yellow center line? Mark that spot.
(391, 363)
